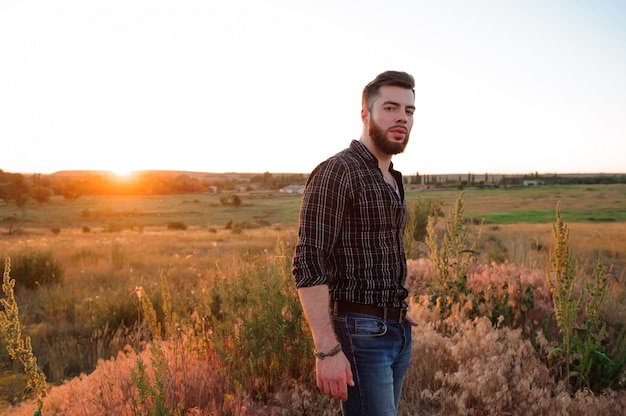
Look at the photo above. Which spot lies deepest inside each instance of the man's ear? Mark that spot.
(364, 115)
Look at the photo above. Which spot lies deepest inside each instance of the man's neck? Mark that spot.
(384, 160)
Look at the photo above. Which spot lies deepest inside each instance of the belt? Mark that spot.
(394, 314)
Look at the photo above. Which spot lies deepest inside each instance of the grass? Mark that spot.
(133, 212)
(95, 314)
(523, 204)
(543, 217)
(596, 200)
(517, 219)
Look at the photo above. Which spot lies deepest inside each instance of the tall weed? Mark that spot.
(580, 358)
(152, 393)
(449, 289)
(450, 260)
(19, 348)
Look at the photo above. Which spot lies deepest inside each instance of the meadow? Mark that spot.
(185, 305)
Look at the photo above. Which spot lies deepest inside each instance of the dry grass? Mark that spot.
(464, 367)
(470, 368)
(92, 314)
(527, 244)
(459, 366)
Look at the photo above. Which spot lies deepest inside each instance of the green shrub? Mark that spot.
(85, 255)
(231, 200)
(417, 225)
(257, 325)
(36, 268)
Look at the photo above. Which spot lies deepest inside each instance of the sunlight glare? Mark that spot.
(122, 172)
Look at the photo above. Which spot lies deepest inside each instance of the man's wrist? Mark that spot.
(334, 351)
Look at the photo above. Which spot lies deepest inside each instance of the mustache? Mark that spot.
(399, 127)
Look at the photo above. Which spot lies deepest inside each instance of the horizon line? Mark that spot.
(112, 172)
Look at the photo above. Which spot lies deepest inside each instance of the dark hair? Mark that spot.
(394, 78)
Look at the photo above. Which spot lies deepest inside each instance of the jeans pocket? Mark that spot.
(368, 328)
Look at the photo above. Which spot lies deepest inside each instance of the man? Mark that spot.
(349, 262)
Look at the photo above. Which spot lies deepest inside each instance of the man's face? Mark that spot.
(391, 119)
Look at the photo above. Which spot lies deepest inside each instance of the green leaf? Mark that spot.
(603, 357)
(557, 350)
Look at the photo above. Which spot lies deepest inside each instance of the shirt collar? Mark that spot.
(368, 156)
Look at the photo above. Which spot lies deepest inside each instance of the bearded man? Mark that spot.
(349, 264)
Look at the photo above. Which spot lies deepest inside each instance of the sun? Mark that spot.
(122, 172)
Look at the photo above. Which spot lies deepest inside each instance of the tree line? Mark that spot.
(487, 180)
(19, 189)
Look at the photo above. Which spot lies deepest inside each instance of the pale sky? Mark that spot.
(275, 85)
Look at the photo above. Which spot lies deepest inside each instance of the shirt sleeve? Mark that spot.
(324, 206)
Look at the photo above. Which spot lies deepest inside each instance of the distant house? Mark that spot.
(532, 183)
(293, 189)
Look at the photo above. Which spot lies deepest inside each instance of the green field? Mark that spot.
(578, 203)
(584, 203)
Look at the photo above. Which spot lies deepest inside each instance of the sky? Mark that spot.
(275, 85)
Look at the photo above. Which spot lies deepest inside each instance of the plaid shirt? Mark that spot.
(351, 229)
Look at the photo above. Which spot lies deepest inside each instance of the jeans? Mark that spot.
(379, 352)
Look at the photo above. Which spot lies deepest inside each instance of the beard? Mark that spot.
(385, 145)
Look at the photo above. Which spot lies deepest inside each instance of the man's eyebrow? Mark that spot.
(397, 104)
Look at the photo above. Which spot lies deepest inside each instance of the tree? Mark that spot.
(70, 189)
(17, 190)
(41, 194)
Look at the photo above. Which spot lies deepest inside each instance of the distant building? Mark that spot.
(293, 189)
(532, 183)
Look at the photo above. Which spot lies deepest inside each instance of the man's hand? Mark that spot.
(333, 372)
(411, 320)
(334, 375)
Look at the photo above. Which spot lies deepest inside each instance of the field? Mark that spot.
(519, 220)
(218, 263)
